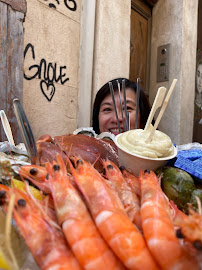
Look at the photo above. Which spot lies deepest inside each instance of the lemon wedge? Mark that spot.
(35, 192)
(3, 263)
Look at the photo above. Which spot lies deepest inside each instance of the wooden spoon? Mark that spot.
(157, 103)
(7, 128)
(165, 103)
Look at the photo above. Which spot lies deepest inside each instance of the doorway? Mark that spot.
(140, 42)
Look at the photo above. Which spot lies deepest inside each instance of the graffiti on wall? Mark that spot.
(70, 4)
(47, 73)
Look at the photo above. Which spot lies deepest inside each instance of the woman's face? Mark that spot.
(107, 117)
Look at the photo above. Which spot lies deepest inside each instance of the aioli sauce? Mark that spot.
(134, 141)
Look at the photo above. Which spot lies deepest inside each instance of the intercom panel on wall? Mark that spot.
(163, 63)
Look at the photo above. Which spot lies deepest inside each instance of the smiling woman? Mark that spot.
(104, 119)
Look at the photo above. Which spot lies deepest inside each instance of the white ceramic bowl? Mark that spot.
(135, 163)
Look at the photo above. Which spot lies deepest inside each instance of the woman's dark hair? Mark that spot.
(104, 90)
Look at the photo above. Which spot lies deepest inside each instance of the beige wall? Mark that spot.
(175, 22)
(112, 41)
(55, 36)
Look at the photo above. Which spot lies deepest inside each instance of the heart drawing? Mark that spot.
(47, 89)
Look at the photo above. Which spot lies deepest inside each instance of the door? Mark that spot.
(140, 42)
(11, 61)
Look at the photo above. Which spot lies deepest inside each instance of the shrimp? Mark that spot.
(158, 228)
(36, 172)
(37, 175)
(128, 197)
(112, 221)
(177, 214)
(47, 244)
(132, 180)
(189, 230)
(190, 226)
(81, 233)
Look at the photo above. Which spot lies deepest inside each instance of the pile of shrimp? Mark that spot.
(110, 220)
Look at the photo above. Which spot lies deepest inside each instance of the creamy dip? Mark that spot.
(134, 141)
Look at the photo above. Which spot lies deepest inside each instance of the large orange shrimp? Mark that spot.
(189, 230)
(112, 221)
(189, 226)
(45, 241)
(158, 228)
(81, 233)
(132, 180)
(36, 172)
(37, 175)
(128, 197)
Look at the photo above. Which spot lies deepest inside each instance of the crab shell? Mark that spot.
(88, 148)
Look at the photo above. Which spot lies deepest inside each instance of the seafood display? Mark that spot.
(135, 141)
(67, 204)
(92, 220)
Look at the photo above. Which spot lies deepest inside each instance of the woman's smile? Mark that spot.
(107, 116)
